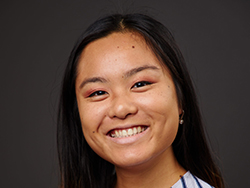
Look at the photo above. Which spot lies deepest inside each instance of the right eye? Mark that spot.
(97, 93)
(141, 84)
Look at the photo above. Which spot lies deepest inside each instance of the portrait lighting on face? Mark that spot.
(129, 101)
(121, 116)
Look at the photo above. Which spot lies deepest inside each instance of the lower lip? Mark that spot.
(129, 139)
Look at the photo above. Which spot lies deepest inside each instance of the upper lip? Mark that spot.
(125, 127)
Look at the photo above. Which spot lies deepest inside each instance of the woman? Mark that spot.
(128, 114)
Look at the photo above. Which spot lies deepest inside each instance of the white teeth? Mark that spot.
(130, 132)
(124, 133)
(127, 132)
(135, 130)
(139, 129)
(116, 133)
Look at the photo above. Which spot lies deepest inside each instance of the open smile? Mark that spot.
(122, 133)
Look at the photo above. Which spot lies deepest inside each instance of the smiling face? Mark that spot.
(126, 100)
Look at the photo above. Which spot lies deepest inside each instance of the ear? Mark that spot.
(181, 114)
(180, 111)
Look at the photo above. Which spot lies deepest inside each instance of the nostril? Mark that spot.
(120, 116)
(122, 107)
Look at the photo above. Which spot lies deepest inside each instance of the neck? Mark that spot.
(161, 171)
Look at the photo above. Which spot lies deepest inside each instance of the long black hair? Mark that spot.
(80, 166)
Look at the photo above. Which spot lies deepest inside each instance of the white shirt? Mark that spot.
(190, 181)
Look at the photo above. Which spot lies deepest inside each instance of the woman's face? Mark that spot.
(126, 100)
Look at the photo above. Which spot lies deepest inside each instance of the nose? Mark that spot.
(121, 107)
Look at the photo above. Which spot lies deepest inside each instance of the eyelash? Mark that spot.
(141, 84)
(97, 93)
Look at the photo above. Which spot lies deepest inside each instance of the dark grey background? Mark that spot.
(36, 38)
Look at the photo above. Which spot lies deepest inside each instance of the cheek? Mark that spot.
(91, 117)
(161, 102)
(162, 107)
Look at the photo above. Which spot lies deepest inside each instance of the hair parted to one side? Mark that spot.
(80, 166)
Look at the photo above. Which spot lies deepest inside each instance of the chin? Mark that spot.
(131, 161)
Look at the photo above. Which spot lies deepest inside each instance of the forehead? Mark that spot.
(117, 49)
(115, 41)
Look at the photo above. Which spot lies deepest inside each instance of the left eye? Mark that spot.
(141, 84)
(97, 93)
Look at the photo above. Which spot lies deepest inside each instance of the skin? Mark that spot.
(121, 84)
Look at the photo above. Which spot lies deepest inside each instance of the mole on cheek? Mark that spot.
(93, 131)
(133, 46)
(117, 46)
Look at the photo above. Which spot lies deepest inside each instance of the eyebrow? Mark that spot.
(92, 80)
(139, 69)
(126, 75)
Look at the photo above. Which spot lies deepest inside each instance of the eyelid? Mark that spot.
(97, 93)
(145, 83)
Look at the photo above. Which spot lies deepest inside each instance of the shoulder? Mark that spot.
(191, 181)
